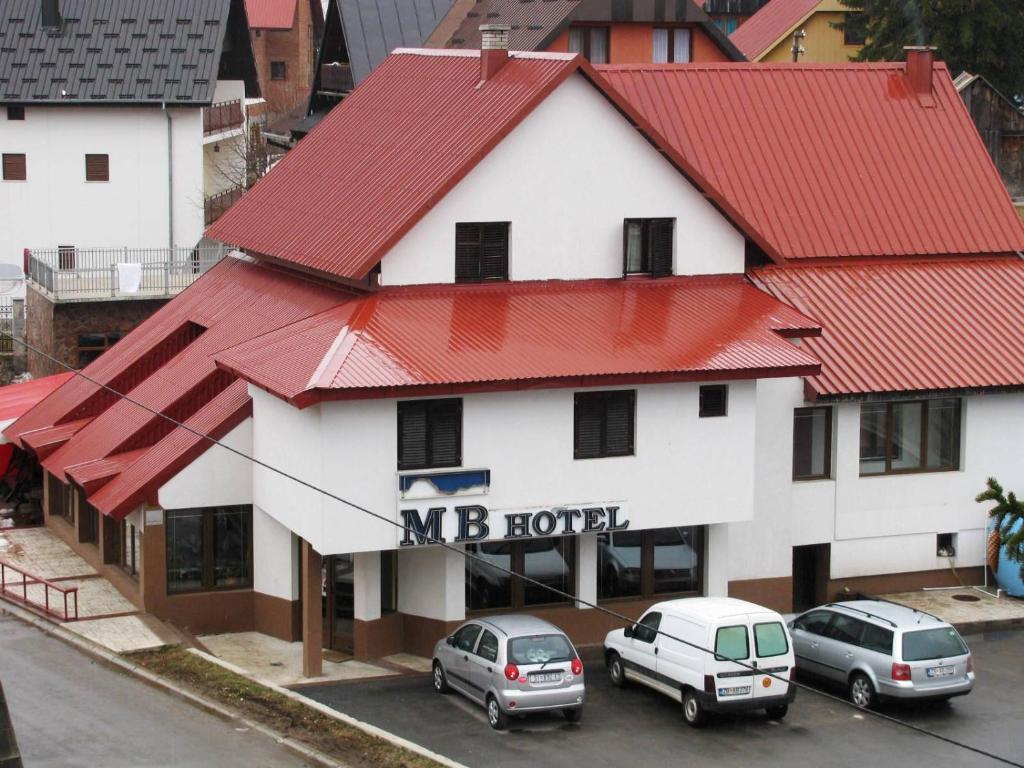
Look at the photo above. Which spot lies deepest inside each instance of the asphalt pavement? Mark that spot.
(635, 726)
(70, 711)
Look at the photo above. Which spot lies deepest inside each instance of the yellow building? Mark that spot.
(768, 34)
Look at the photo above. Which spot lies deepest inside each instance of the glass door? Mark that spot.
(338, 602)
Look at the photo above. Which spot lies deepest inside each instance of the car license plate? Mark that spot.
(940, 671)
(737, 691)
(545, 677)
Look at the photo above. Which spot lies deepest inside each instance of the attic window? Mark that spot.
(592, 42)
(481, 251)
(647, 247)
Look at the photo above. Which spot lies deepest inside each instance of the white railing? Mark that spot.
(93, 274)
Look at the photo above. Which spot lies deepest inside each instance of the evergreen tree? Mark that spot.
(1007, 514)
(984, 37)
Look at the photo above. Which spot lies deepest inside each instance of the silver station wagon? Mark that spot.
(881, 650)
(512, 665)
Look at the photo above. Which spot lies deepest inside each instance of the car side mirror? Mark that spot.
(450, 639)
(628, 631)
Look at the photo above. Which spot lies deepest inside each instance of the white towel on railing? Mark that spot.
(129, 277)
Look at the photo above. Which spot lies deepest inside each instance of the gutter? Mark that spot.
(170, 180)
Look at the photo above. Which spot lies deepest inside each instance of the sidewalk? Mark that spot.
(969, 610)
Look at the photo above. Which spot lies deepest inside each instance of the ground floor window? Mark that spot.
(388, 581)
(910, 436)
(549, 561)
(648, 563)
(209, 548)
(92, 345)
(58, 498)
(89, 525)
(130, 555)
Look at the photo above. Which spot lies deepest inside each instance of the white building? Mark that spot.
(527, 321)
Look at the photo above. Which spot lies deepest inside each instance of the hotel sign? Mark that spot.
(474, 522)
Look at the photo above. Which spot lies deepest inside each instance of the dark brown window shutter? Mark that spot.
(604, 424)
(714, 400)
(661, 246)
(481, 251)
(494, 251)
(429, 434)
(14, 168)
(97, 167)
(467, 253)
(587, 427)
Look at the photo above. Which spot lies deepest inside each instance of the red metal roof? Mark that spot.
(776, 18)
(909, 326)
(393, 148)
(270, 14)
(16, 399)
(543, 334)
(73, 430)
(837, 160)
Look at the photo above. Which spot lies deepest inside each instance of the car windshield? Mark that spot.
(932, 644)
(539, 649)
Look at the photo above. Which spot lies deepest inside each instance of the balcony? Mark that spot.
(216, 205)
(336, 78)
(102, 274)
(223, 117)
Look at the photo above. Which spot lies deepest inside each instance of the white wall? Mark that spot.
(57, 206)
(686, 471)
(565, 178)
(217, 477)
(275, 558)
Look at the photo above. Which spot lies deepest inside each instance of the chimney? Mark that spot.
(920, 59)
(51, 14)
(493, 49)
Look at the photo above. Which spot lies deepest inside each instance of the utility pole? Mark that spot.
(797, 48)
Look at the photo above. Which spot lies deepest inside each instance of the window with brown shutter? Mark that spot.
(15, 113)
(97, 167)
(714, 400)
(14, 167)
(481, 251)
(604, 424)
(429, 434)
(647, 247)
(278, 70)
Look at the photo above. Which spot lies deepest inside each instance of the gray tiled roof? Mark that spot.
(126, 51)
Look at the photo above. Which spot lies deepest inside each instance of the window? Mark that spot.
(481, 252)
(58, 498)
(539, 649)
(732, 643)
(550, 561)
(465, 638)
(604, 424)
(209, 548)
(812, 443)
(646, 630)
(647, 246)
(66, 257)
(14, 167)
(877, 639)
(131, 548)
(910, 436)
(813, 622)
(855, 29)
(488, 648)
(92, 345)
(927, 644)
(89, 522)
(429, 434)
(592, 42)
(648, 563)
(845, 629)
(714, 400)
(277, 70)
(15, 113)
(97, 167)
(671, 46)
(388, 581)
(770, 640)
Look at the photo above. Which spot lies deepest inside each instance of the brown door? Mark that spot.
(338, 603)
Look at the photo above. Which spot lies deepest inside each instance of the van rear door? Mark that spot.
(773, 656)
(733, 682)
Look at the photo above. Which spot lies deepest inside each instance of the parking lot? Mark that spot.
(635, 726)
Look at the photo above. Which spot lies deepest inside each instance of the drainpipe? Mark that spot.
(170, 181)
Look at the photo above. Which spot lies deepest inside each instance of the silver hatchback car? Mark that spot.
(881, 650)
(513, 665)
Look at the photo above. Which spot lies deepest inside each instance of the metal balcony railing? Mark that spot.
(95, 274)
(215, 206)
(223, 116)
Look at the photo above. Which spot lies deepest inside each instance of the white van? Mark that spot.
(708, 682)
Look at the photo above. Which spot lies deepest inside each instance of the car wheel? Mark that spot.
(573, 715)
(497, 719)
(440, 679)
(616, 671)
(862, 693)
(693, 711)
(777, 711)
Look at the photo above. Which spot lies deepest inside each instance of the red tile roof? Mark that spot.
(16, 399)
(909, 326)
(450, 338)
(270, 14)
(75, 432)
(763, 30)
(393, 148)
(833, 160)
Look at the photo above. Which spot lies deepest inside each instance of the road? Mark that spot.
(638, 727)
(69, 711)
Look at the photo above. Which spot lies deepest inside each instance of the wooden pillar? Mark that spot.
(312, 617)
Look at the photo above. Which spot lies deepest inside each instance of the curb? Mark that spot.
(372, 730)
(115, 661)
(990, 625)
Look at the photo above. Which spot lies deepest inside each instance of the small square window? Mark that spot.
(481, 251)
(277, 70)
(15, 113)
(945, 545)
(14, 168)
(714, 400)
(647, 247)
(604, 424)
(97, 167)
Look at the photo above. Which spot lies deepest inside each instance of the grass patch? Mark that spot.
(284, 715)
